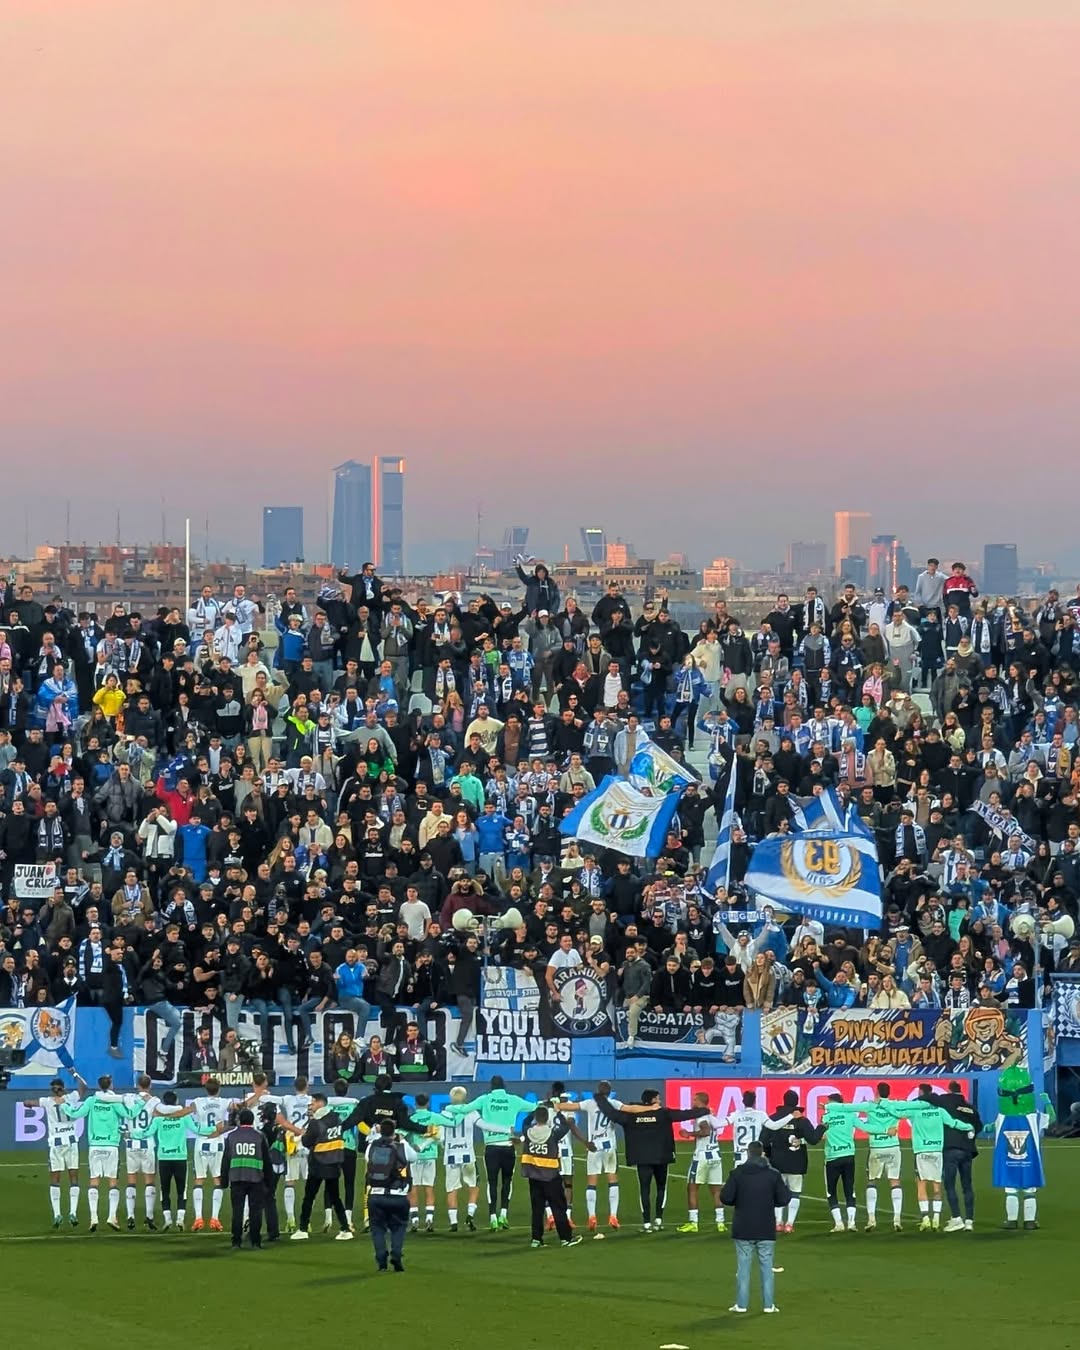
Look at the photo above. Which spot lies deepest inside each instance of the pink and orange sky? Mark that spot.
(696, 270)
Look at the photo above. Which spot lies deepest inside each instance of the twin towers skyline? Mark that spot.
(367, 519)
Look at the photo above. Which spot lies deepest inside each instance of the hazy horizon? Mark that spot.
(713, 270)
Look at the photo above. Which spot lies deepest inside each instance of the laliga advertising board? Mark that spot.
(725, 1094)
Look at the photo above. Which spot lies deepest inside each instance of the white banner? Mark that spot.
(268, 1044)
(35, 881)
(517, 1038)
(46, 1036)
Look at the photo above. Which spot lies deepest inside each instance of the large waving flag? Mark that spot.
(820, 812)
(617, 815)
(719, 873)
(655, 772)
(830, 876)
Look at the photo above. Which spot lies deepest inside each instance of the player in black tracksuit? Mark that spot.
(648, 1131)
(959, 1151)
(786, 1148)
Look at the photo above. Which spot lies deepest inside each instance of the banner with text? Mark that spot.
(797, 1041)
(675, 1032)
(34, 881)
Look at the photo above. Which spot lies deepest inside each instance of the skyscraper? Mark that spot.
(882, 569)
(594, 543)
(350, 544)
(852, 536)
(283, 535)
(1000, 570)
(853, 569)
(389, 515)
(804, 558)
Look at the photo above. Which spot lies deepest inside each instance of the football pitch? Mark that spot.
(630, 1291)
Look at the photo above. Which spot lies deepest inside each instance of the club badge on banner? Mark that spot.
(264, 1047)
(43, 1037)
(797, 1041)
(1066, 1021)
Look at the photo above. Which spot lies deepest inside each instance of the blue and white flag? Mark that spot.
(719, 873)
(824, 812)
(1003, 823)
(832, 877)
(620, 817)
(655, 772)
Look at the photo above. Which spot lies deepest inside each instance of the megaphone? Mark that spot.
(511, 919)
(1022, 925)
(465, 921)
(1063, 927)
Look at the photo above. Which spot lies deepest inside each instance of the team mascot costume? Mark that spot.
(1018, 1165)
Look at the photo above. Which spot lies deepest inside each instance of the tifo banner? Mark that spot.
(1003, 823)
(726, 1095)
(264, 1046)
(45, 1037)
(34, 881)
(577, 1003)
(1066, 1006)
(619, 816)
(673, 1031)
(505, 1037)
(795, 1041)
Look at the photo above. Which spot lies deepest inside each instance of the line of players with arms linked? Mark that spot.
(315, 1139)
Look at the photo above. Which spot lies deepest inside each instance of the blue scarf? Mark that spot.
(920, 841)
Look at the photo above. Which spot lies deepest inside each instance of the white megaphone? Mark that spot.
(1022, 925)
(465, 921)
(511, 919)
(1063, 927)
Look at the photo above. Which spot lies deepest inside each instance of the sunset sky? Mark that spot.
(699, 271)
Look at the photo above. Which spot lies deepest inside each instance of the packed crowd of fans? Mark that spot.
(280, 808)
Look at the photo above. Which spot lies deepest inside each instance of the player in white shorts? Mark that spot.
(561, 1101)
(706, 1168)
(141, 1153)
(295, 1107)
(63, 1137)
(459, 1159)
(605, 1161)
(210, 1112)
(746, 1125)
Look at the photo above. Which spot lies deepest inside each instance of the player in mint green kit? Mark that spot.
(499, 1111)
(105, 1113)
(423, 1171)
(170, 1134)
(928, 1124)
(881, 1116)
(839, 1122)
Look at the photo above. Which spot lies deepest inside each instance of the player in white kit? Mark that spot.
(459, 1159)
(605, 1161)
(561, 1101)
(63, 1141)
(295, 1107)
(141, 1153)
(746, 1125)
(211, 1112)
(706, 1168)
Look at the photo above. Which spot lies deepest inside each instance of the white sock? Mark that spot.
(793, 1209)
(180, 1218)
(851, 1216)
(924, 1206)
(452, 1214)
(114, 1204)
(871, 1202)
(150, 1198)
(590, 1201)
(215, 1201)
(129, 1202)
(569, 1214)
(92, 1198)
(935, 1206)
(166, 1214)
(290, 1203)
(348, 1216)
(414, 1214)
(1012, 1207)
(1031, 1208)
(613, 1201)
(719, 1213)
(54, 1200)
(73, 1201)
(472, 1208)
(897, 1202)
(197, 1199)
(430, 1214)
(837, 1217)
(692, 1215)
(779, 1212)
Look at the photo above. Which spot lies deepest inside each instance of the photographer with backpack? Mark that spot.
(389, 1181)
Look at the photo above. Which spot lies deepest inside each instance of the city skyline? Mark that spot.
(244, 246)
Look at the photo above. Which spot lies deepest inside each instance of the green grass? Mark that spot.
(489, 1290)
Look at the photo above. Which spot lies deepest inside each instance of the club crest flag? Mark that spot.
(654, 772)
(831, 877)
(619, 816)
